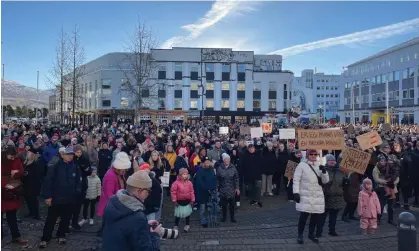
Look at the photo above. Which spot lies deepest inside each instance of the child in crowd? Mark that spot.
(94, 188)
(183, 196)
(369, 207)
(391, 175)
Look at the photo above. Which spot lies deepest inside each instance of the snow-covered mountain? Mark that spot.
(15, 94)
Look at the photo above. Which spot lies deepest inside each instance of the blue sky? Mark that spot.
(30, 30)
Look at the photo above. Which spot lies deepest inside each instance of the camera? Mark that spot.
(167, 233)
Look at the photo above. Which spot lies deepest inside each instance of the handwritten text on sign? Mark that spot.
(355, 160)
(289, 171)
(321, 139)
(369, 140)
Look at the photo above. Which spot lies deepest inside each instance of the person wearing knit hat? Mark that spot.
(153, 203)
(183, 197)
(228, 187)
(125, 213)
(369, 207)
(121, 161)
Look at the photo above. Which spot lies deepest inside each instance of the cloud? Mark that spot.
(219, 10)
(356, 37)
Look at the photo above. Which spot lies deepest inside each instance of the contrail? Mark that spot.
(367, 35)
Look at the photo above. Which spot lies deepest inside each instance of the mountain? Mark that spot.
(15, 94)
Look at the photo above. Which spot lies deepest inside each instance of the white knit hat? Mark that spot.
(225, 156)
(121, 161)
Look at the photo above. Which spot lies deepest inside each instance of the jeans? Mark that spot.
(203, 214)
(11, 219)
(384, 200)
(230, 203)
(86, 204)
(254, 190)
(77, 208)
(333, 215)
(64, 212)
(314, 219)
(266, 184)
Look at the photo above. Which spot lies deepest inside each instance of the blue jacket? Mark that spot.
(205, 180)
(62, 183)
(50, 152)
(126, 226)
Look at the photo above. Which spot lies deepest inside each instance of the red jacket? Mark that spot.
(182, 190)
(6, 167)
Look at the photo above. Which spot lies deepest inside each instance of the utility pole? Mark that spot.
(37, 96)
(2, 70)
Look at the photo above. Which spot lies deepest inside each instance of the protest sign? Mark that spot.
(321, 139)
(244, 130)
(223, 130)
(266, 127)
(369, 140)
(289, 171)
(287, 133)
(355, 160)
(165, 179)
(256, 132)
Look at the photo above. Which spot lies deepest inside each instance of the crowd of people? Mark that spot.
(127, 170)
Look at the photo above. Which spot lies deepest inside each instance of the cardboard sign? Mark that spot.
(355, 160)
(369, 140)
(289, 171)
(287, 133)
(267, 127)
(223, 130)
(244, 130)
(256, 132)
(321, 139)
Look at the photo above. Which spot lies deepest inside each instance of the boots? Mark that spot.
(300, 239)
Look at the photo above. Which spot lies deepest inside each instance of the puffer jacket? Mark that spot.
(306, 184)
(182, 190)
(333, 190)
(270, 162)
(94, 187)
(152, 202)
(368, 204)
(228, 181)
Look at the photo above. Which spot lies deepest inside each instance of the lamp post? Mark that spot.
(113, 114)
(320, 112)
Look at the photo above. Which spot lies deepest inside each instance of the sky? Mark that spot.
(321, 35)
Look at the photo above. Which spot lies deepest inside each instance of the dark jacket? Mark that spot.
(250, 164)
(205, 181)
(83, 164)
(270, 162)
(32, 179)
(146, 156)
(50, 151)
(126, 226)
(152, 203)
(414, 167)
(105, 161)
(62, 182)
(227, 181)
(180, 163)
(333, 191)
(351, 187)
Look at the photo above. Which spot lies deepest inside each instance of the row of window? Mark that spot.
(328, 103)
(209, 70)
(327, 88)
(380, 97)
(328, 96)
(383, 78)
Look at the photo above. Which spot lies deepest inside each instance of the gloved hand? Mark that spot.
(297, 197)
(323, 169)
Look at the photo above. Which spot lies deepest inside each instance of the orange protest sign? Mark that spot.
(267, 127)
(289, 171)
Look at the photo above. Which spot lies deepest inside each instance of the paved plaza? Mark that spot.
(273, 227)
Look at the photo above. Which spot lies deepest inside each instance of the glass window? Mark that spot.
(178, 103)
(318, 95)
(411, 93)
(95, 85)
(178, 67)
(225, 103)
(373, 98)
(210, 86)
(106, 83)
(124, 102)
(90, 86)
(405, 73)
(256, 86)
(405, 94)
(397, 75)
(390, 95)
(411, 72)
(327, 87)
(272, 104)
(241, 86)
(391, 76)
(396, 95)
(194, 104)
(106, 103)
(210, 103)
(318, 87)
(194, 86)
(241, 68)
(373, 80)
(209, 67)
(162, 103)
(384, 96)
(378, 80)
(240, 103)
(272, 86)
(383, 78)
(226, 67)
(225, 86)
(256, 103)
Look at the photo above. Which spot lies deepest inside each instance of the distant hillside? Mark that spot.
(15, 94)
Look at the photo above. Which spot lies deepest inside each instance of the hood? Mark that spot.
(122, 205)
(152, 175)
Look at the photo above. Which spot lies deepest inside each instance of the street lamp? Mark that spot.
(320, 112)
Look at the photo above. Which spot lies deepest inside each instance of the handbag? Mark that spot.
(11, 194)
(319, 179)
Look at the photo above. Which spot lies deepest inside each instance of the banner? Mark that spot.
(287, 133)
(223, 130)
(256, 132)
(355, 160)
(369, 140)
(267, 127)
(244, 130)
(321, 139)
(289, 171)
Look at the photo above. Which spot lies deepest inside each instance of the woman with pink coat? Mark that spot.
(113, 181)
(369, 207)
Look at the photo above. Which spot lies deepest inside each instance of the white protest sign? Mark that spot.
(165, 179)
(223, 130)
(287, 133)
(256, 132)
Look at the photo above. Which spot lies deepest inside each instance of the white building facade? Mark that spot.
(227, 85)
(386, 81)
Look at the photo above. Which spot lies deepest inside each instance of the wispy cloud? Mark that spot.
(219, 10)
(356, 37)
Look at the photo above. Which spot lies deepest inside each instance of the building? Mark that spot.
(317, 94)
(226, 85)
(52, 110)
(386, 81)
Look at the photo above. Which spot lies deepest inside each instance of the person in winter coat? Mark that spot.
(181, 160)
(333, 195)
(369, 207)
(351, 187)
(51, 150)
(252, 174)
(414, 173)
(216, 152)
(126, 226)
(309, 177)
(295, 157)
(152, 204)
(105, 160)
(183, 197)
(113, 181)
(269, 165)
(32, 182)
(184, 145)
(156, 164)
(278, 176)
(206, 182)
(11, 172)
(228, 187)
(94, 188)
(405, 180)
(170, 155)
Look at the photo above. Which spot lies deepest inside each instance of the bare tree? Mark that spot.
(139, 68)
(78, 71)
(59, 71)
